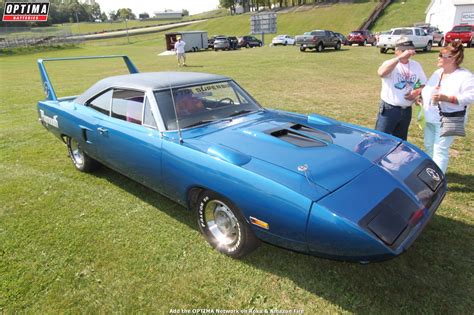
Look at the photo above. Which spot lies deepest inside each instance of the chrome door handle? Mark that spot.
(102, 131)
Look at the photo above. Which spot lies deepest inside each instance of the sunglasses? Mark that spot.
(445, 56)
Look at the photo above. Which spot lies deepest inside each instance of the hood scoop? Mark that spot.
(300, 135)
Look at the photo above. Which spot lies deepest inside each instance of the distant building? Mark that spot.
(446, 13)
(169, 15)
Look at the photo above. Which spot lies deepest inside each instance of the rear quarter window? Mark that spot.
(101, 103)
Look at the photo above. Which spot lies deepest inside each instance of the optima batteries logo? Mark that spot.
(26, 11)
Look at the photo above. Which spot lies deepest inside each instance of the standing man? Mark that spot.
(402, 80)
(180, 52)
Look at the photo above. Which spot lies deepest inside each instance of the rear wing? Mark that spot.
(48, 87)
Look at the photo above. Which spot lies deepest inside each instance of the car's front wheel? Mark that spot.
(81, 161)
(383, 50)
(338, 46)
(428, 46)
(302, 48)
(223, 226)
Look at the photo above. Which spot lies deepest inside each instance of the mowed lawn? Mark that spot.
(89, 243)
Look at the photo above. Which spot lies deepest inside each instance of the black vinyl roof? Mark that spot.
(150, 80)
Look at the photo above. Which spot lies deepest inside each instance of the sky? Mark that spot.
(151, 6)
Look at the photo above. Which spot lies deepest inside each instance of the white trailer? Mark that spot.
(195, 40)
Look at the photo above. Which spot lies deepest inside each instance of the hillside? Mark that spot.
(339, 17)
(401, 13)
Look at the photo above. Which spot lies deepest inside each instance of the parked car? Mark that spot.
(463, 33)
(343, 38)
(210, 41)
(438, 36)
(305, 182)
(233, 42)
(361, 38)
(283, 40)
(221, 43)
(249, 41)
(417, 35)
(318, 40)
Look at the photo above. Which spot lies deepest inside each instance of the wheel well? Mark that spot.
(192, 197)
(64, 138)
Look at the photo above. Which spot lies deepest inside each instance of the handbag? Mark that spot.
(452, 125)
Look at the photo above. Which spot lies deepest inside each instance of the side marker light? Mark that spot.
(259, 223)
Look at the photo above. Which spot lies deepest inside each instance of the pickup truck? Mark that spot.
(318, 39)
(463, 33)
(417, 35)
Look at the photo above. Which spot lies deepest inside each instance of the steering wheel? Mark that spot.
(227, 100)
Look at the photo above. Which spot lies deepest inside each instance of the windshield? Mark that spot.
(464, 28)
(200, 104)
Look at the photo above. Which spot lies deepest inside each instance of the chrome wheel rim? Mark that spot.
(76, 153)
(221, 222)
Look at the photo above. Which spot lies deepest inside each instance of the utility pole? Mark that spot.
(126, 26)
(78, 24)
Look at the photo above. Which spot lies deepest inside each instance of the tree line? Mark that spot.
(255, 5)
(70, 11)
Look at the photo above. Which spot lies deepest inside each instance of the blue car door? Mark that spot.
(129, 141)
(89, 119)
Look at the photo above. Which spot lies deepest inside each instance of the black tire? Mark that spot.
(224, 226)
(81, 161)
(383, 50)
(302, 49)
(320, 47)
(260, 44)
(338, 46)
(363, 43)
(247, 46)
(469, 45)
(285, 44)
(428, 46)
(441, 42)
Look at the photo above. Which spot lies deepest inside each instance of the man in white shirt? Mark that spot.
(180, 52)
(402, 80)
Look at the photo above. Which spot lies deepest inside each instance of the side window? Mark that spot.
(102, 103)
(128, 105)
(417, 32)
(148, 118)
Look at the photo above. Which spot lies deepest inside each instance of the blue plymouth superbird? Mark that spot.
(304, 182)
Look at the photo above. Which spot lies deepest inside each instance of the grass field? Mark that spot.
(78, 243)
(401, 13)
(294, 23)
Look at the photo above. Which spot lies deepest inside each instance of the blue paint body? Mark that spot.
(325, 210)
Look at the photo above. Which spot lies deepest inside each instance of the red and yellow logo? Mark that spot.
(25, 11)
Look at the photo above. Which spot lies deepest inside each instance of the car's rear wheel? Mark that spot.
(383, 50)
(363, 43)
(441, 42)
(320, 47)
(302, 48)
(81, 161)
(223, 225)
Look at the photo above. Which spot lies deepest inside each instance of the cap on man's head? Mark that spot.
(404, 43)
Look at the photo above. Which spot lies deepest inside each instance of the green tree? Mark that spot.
(125, 13)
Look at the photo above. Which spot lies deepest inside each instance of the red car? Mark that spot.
(464, 33)
(361, 37)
